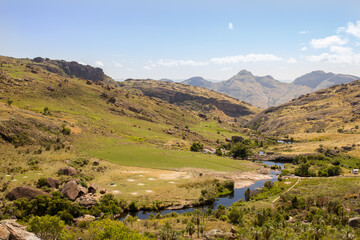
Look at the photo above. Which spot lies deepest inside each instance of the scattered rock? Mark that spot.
(69, 171)
(4, 233)
(88, 82)
(96, 163)
(27, 192)
(16, 231)
(93, 188)
(87, 201)
(50, 89)
(214, 234)
(201, 115)
(85, 218)
(38, 59)
(52, 182)
(82, 191)
(102, 191)
(71, 190)
(236, 139)
(357, 210)
(354, 222)
(233, 230)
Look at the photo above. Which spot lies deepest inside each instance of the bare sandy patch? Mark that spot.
(175, 175)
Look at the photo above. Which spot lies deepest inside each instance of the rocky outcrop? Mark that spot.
(69, 171)
(85, 218)
(4, 233)
(354, 222)
(11, 230)
(93, 188)
(216, 234)
(52, 182)
(27, 192)
(87, 201)
(71, 190)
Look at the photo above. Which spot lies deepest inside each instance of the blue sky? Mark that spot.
(179, 39)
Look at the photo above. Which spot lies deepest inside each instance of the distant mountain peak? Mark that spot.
(244, 72)
(196, 78)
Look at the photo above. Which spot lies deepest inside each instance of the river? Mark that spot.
(227, 201)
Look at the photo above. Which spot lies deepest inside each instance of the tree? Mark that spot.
(46, 227)
(46, 111)
(247, 194)
(190, 228)
(9, 102)
(196, 147)
(268, 184)
(240, 150)
(235, 215)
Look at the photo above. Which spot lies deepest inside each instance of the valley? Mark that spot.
(83, 145)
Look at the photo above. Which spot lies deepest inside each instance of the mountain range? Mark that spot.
(265, 91)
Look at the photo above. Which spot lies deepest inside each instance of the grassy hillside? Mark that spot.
(326, 110)
(49, 120)
(200, 99)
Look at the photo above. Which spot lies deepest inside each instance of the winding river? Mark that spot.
(227, 201)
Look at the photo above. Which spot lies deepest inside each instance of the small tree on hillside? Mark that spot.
(196, 147)
(9, 102)
(247, 194)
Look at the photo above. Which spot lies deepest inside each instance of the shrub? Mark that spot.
(66, 131)
(46, 111)
(46, 227)
(111, 229)
(240, 150)
(41, 183)
(247, 194)
(196, 147)
(9, 102)
(268, 184)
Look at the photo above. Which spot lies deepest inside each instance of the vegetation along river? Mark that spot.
(227, 201)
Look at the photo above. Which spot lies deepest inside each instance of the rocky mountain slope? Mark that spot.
(200, 99)
(336, 108)
(319, 79)
(266, 91)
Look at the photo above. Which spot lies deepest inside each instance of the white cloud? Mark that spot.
(82, 63)
(291, 60)
(327, 42)
(99, 63)
(245, 58)
(147, 68)
(354, 29)
(303, 49)
(225, 69)
(172, 63)
(231, 26)
(341, 50)
(303, 32)
(117, 64)
(336, 58)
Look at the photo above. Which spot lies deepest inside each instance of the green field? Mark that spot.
(157, 157)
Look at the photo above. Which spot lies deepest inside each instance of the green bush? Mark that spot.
(240, 150)
(46, 227)
(196, 147)
(41, 183)
(110, 229)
